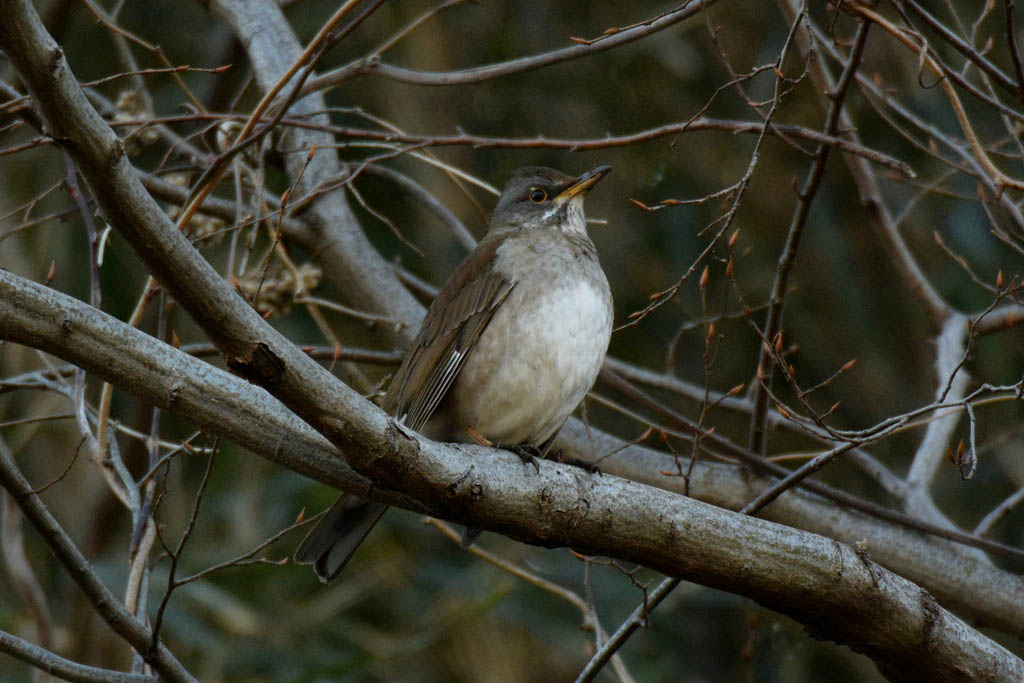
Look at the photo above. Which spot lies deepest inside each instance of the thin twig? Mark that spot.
(107, 606)
(371, 64)
(787, 258)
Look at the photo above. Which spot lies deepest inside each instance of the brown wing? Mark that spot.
(453, 323)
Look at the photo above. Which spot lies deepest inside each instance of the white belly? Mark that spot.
(529, 376)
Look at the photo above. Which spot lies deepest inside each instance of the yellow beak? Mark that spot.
(583, 183)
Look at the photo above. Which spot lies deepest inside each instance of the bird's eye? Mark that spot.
(537, 195)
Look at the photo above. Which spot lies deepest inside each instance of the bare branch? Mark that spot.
(787, 259)
(65, 668)
(333, 234)
(120, 620)
(282, 245)
(610, 141)
(372, 64)
(497, 483)
(951, 385)
(963, 47)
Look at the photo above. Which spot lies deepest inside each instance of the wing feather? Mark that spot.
(454, 322)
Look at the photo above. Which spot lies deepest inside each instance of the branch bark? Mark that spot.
(856, 601)
(897, 624)
(224, 404)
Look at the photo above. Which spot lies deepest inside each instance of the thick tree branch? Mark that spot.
(334, 237)
(227, 405)
(957, 580)
(559, 505)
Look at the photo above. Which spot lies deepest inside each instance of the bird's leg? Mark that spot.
(527, 452)
(478, 438)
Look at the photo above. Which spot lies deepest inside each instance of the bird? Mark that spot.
(509, 347)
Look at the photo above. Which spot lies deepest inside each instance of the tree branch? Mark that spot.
(668, 130)
(66, 669)
(113, 613)
(871, 195)
(373, 65)
(559, 505)
(334, 237)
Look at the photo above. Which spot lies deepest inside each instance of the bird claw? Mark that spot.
(528, 453)
(588, 467)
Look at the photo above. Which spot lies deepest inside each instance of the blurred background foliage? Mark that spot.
(413, 606)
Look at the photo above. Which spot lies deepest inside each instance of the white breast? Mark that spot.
(537, 358)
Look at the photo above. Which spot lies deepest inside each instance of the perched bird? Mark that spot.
(507, 350)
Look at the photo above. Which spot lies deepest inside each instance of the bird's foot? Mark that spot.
(528, 453)
(589, 467)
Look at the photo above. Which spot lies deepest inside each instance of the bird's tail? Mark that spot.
(331, 543)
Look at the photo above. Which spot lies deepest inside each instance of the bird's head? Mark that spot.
(539, 197)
